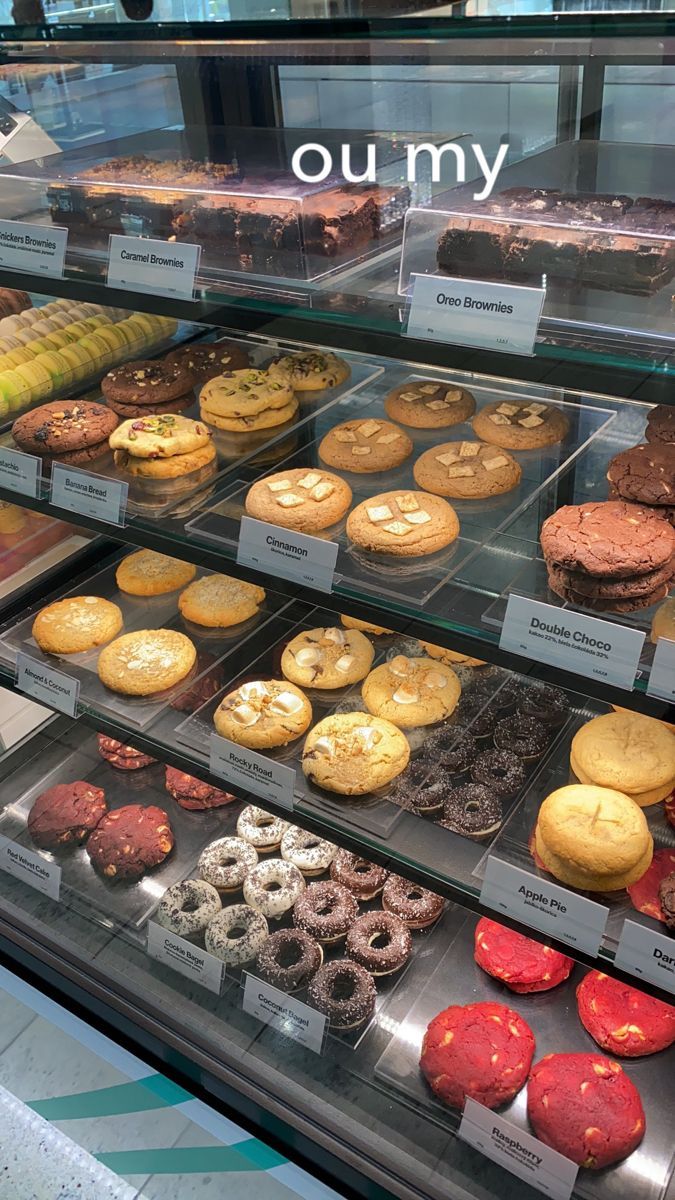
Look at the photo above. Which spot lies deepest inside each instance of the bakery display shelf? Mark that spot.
(643, 1175)
(38, 550)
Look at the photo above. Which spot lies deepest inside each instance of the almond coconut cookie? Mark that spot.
(429, 404)
(147, 661)
(301, 499)
(354, 753)
(76, 624)
(363, 446)
(327, 658)
(218, 601)
(263, 714)
(404, 524)
(467, 470)
(517, 426)
(411, 691)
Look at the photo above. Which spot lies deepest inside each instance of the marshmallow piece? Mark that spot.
(369, 428)
(418, 518)
(400, 666)
(397, 528)
(290, 500)
(307, 656)
(280, 485)
(345, 435)
(324, 745)
(369, 737)
(345, 663)
(407, 503)
(493, 464)
(244, 715)
(469, 449)
(309, 481)
(380, 512)
(322, 491)
(406, 694)
(286, 703)
(335, 635)
(256, 690)
(434, 679)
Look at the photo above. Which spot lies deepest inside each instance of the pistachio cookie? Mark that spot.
(429, 404)
(166, 468)
(411, 691)
(366, 445)
(146, 661)
(263, 714)
(404, 524)
(327, 658)
(76, 624)
(246, 400)
(467, 471)
(218, 601)
(520, 426)
(313, 371)
(160, 436)
(148, 573)
(354, 753)
(300, 499)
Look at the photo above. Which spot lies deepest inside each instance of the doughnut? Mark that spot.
(451, 747)
(501, 771)
(325, 911)
(475, 712)
(186, 908)
(472, 810)
(505, 698)
(344, 992)
(417, 789)
(380, 942)
(226, 862)
(260, 828)
(236, 934)
(416, 906)
(308, 852)
(273, 887)
(547, 704)
(288, 959)
(524, 736)
(362, 878)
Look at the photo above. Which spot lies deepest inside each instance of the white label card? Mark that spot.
(89, 495)
(648, 954)
(544, 906)
(151, 265)
(19, 472)
(189, 960)
(30, 868)
(289, 1016)
(662, 676)
(518, 1152)
(46, 684)
(562, 638)
(470, 312)
(252, 772)
(40, 249)
(295, 556)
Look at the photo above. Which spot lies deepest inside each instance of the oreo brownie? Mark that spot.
(66, 814)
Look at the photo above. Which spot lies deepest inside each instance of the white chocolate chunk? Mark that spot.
(369, 428)
(493, 464)
(322, 491)
(397, 528)
(446, 459)
(406, 694)
(385, 439)
(380, 512)
(408, 396)
(244, 715)
(281, 485)
(418, 518)
(428, 389)
(530, 422)
(453, 395)
(436, 405)
(461, 471)
(308, 656)
(345, 663)
(309, 481)
(469, 449)
(344, 435)
(285, 704)
(536, 409)
(498, 419)
(508, 409)
(361, 451)
(407, 503)
(290, 500)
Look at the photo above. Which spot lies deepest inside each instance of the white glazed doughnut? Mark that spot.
(261, 829)
(307, 851)
(186, 908)
(236, 934)
(226, 863)
(273, 887)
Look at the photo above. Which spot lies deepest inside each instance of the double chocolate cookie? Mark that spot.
(142, 388)
(206, 360)
(645, 474)
(68, 431)
(661, 424)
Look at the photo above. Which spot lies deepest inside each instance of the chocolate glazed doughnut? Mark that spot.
(473, 811)
(362, 878)
(325, 911)
(289, 959)
(344, 992)
(416, 906)
(500, 770)
(380, 942)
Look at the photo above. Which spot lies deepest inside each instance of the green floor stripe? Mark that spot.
(193, 1160)
(143, 1095)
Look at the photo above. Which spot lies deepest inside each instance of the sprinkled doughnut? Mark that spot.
(289, 959)
(524, 736)
(226, 863)
(273, 887)
(345, 992)
(416, 906)
(362, 878)
(325, 911)
(186, 908)
(380, 942)
(237, 934)
(472, 810)
(500, 770)
(451, 747)
(308, 852)
(261, 829)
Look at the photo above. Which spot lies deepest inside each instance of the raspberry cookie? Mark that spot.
(482, 1051)
(518, 961)
(623, 1020)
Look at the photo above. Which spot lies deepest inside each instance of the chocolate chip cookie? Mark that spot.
(429, 404)
(515, 426)
(645, 473)
(366, 445)
(467, 470)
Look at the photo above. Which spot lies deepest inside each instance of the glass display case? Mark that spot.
(354, 650)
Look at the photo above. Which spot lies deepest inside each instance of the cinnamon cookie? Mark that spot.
(76, 624)
(148, 573)
(411, 691)
(366, 445)
(403, 524)
(429, 404)
(263, 714)
(327, 658)
(466, 470)
(354, 753)
(146, 661)
(313, 371)
(218, 601)
(517, 426)
(146, 382)
(301, 499)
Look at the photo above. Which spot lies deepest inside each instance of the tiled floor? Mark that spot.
(83, 1118)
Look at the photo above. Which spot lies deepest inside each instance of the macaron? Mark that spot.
(79, 360)
(97, 348)
(15, 358)
(38, 379)
(77, 330)
(14, 391)
(114, 340)
(57, 367)
(94, 323)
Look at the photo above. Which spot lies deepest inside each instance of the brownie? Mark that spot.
(65, 814)
(130, 841)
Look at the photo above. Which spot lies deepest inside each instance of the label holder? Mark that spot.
(543, 905)
(131, 266)
(289, 1016)
(46, 684)
(88, 494)
(474, 312)
(298, 557)
(251, 771)
(186, 959)
(518, 1152)
(20, 472)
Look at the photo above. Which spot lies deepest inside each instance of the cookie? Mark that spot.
(148, 573)
(313, 371)
(482, 1051)
(166, 468)
(66, 814)
(193, 794)
(218, 601)
(130, 841)
(667, 899)
(628, 751)
(661, 424)
(466, 471)
(161, 436)
(269, 419)
(263, 714)
(327, 658)
(206, 360)
(301, 499)
(354, 753)
(518, 961)
(206, 683)
(623, 1020)
(634, 604)
(593, 838)
(125, 758)
(429, 404)
(76, 624)
(645, 892)
(403, 524)
(592, 587)
(609, 539)
(515, 426)
(366, 445)
(146, 661)
(451, 656)
(663, 621)
(585, 1107)
(75, 458)
(363, 626)
(245, 394)
(129, 411)
(63, 426)
(149, 381)
(411, 691)
(645, 473)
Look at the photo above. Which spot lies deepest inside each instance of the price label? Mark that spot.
(648, 954)
(662, 676)
(470, 312)
(89, 495)
(543, 905)
(518, 1152)
(252, 772)
(295, 556)
(289, 1016)
(562, 638)
(19, 472)
(46, 684)
(30, 868)
(150, 265)
(185, 958)
(40, 249)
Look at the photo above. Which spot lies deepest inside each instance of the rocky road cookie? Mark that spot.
(163, 435)
(65, 815)
(411, 691)
(661, 424)
(301, 499)
(147, 382)
(354, 753)
(466, 470)
(130, 841)
(218, 601)
(313, 371)
(76, 624)
(609, 539)
(364, 446)
(263, 714)
(663, 621)
(327, 658)
(645, 473)
(363, 626)
(148, 573)
(451, 656)
(64, 427)
(520, 426)
(623, 1020)
(404, 524)
(429, 404)
(628, 751)
(147, 661)
(248, 399)
(593, 838)
(166, 468)
(482, 1051)
(518, 961)
(206, 360)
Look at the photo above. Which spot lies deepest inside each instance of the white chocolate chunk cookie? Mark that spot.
(404, 524)
(327, 658)
(354, 753)
(520, 426)
(365, 445)
(411, 691)
(467, 470)
(305, 499)
(262, 714)
(429, 404)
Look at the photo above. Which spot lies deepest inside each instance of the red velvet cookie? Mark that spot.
(65, 814)
(622, 1019)
(479, 1050)
(130, 841)
(518, 961)
(193, 794)
(644, 894)
(125, 758)
(670, 808)
(585, 1107)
